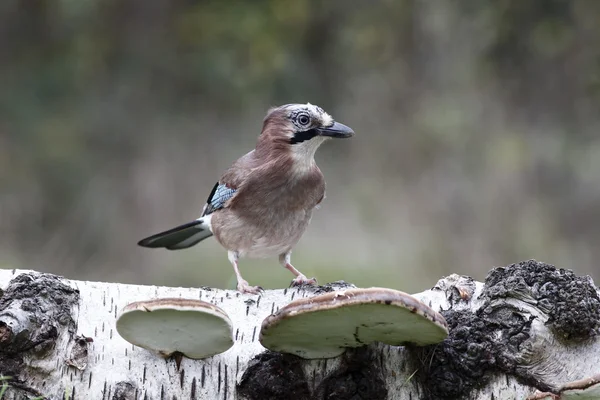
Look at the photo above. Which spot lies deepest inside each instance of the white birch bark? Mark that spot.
(115, 369)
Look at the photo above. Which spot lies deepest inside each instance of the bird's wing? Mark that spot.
(218, 198)
(229, 183)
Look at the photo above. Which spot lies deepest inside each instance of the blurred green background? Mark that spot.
(478, 133)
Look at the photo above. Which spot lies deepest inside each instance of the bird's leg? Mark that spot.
(301, 279)
(242, 284)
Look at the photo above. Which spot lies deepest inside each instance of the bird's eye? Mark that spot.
(303, 119)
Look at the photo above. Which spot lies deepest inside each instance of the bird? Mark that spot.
(261, 206)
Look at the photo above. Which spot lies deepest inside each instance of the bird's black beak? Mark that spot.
(336, 130)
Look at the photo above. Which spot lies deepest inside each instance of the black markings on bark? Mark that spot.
(219, 378)
(274, 376)
(571, 301)
(46, 304)
(490, 340)
(193, 391)
(358, 377)
(225, 383)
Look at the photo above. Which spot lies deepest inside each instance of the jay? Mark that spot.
(262, 204)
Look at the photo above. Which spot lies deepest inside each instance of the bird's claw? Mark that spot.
(301, 280)
(244, 287)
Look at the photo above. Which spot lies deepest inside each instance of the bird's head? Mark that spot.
(299, 129)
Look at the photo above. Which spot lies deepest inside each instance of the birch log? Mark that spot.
(529, 328)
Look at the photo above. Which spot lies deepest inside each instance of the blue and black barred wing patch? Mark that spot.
(217, 198)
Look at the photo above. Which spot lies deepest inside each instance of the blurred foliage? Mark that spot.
(478, 132)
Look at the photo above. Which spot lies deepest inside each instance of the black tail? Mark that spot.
(180, 237)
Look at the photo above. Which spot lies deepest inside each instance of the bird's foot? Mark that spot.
(244, 287)
(303, 280)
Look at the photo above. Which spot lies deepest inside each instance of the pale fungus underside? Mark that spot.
(194, 328)
(325, 325)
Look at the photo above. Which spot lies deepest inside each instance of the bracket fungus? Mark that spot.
(325, 325)
(194, 328)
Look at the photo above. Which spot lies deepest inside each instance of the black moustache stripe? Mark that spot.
(300, 137)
